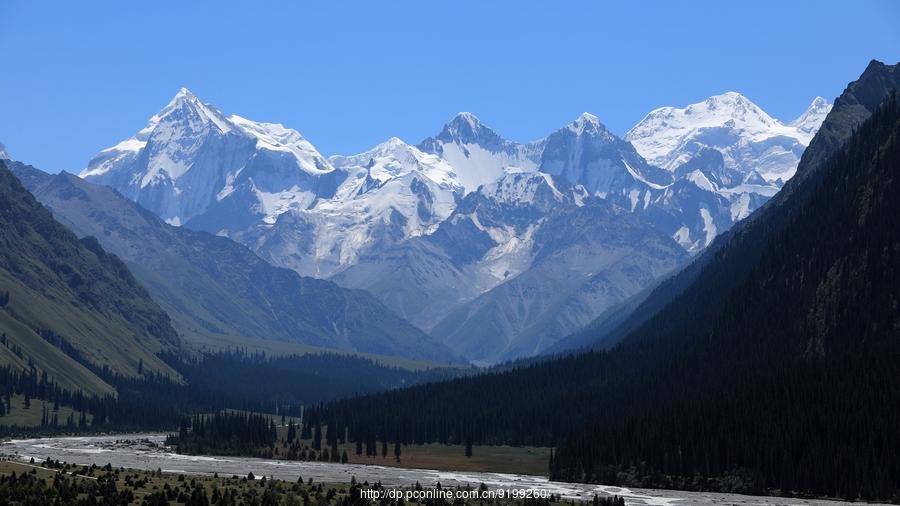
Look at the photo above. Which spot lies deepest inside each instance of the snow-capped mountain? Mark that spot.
(192, 162)
(390, 193)
(520, 263)
(467, 225)
(726, 156)
(812, 118)
(586, 153)
(750, 140)
(4, 155)
(484, 242)
(478, 154)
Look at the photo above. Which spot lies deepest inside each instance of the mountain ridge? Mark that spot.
(232, 291)
(356, 219)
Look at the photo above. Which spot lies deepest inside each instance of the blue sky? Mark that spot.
(80, 76)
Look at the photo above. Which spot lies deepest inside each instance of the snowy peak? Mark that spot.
(478, 154)
(731, 106)
(588, 124)
(395, 158)
(727, 109)
(277, 138)
(187, 109)
(4, 155)
(389, 193)
(465, 120)
(748, 137)
(813, 116)
(465, 128)
(584, 152)
(184, 114)
(190, 158)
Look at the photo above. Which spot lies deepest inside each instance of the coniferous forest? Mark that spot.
(211, 382)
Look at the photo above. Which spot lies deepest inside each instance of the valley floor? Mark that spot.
(493, 459)
(147, 454)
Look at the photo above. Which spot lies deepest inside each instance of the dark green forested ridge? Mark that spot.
(775, 368)
(805, 356)
(209, 383)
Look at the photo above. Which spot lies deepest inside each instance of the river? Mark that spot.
(147, 452)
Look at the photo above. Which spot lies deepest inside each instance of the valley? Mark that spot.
(253, 256)
(135, 453)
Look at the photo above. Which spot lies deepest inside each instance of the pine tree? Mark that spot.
(292, 432)
(317, 438)
(397, 450)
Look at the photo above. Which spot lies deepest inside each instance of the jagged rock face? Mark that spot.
(478, 154)
(586, 153)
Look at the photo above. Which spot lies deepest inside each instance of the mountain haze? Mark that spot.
(215, 288)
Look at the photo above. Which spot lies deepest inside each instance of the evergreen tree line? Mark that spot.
(32, 384)
(212, 382)
(225, 433)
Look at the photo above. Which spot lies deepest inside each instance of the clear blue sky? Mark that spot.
(80, 76)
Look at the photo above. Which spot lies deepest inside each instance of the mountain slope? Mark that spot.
(585, 260)
(773, 368)
(213, 287)
(71, 304)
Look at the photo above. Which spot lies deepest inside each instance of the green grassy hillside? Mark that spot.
(71, 306)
